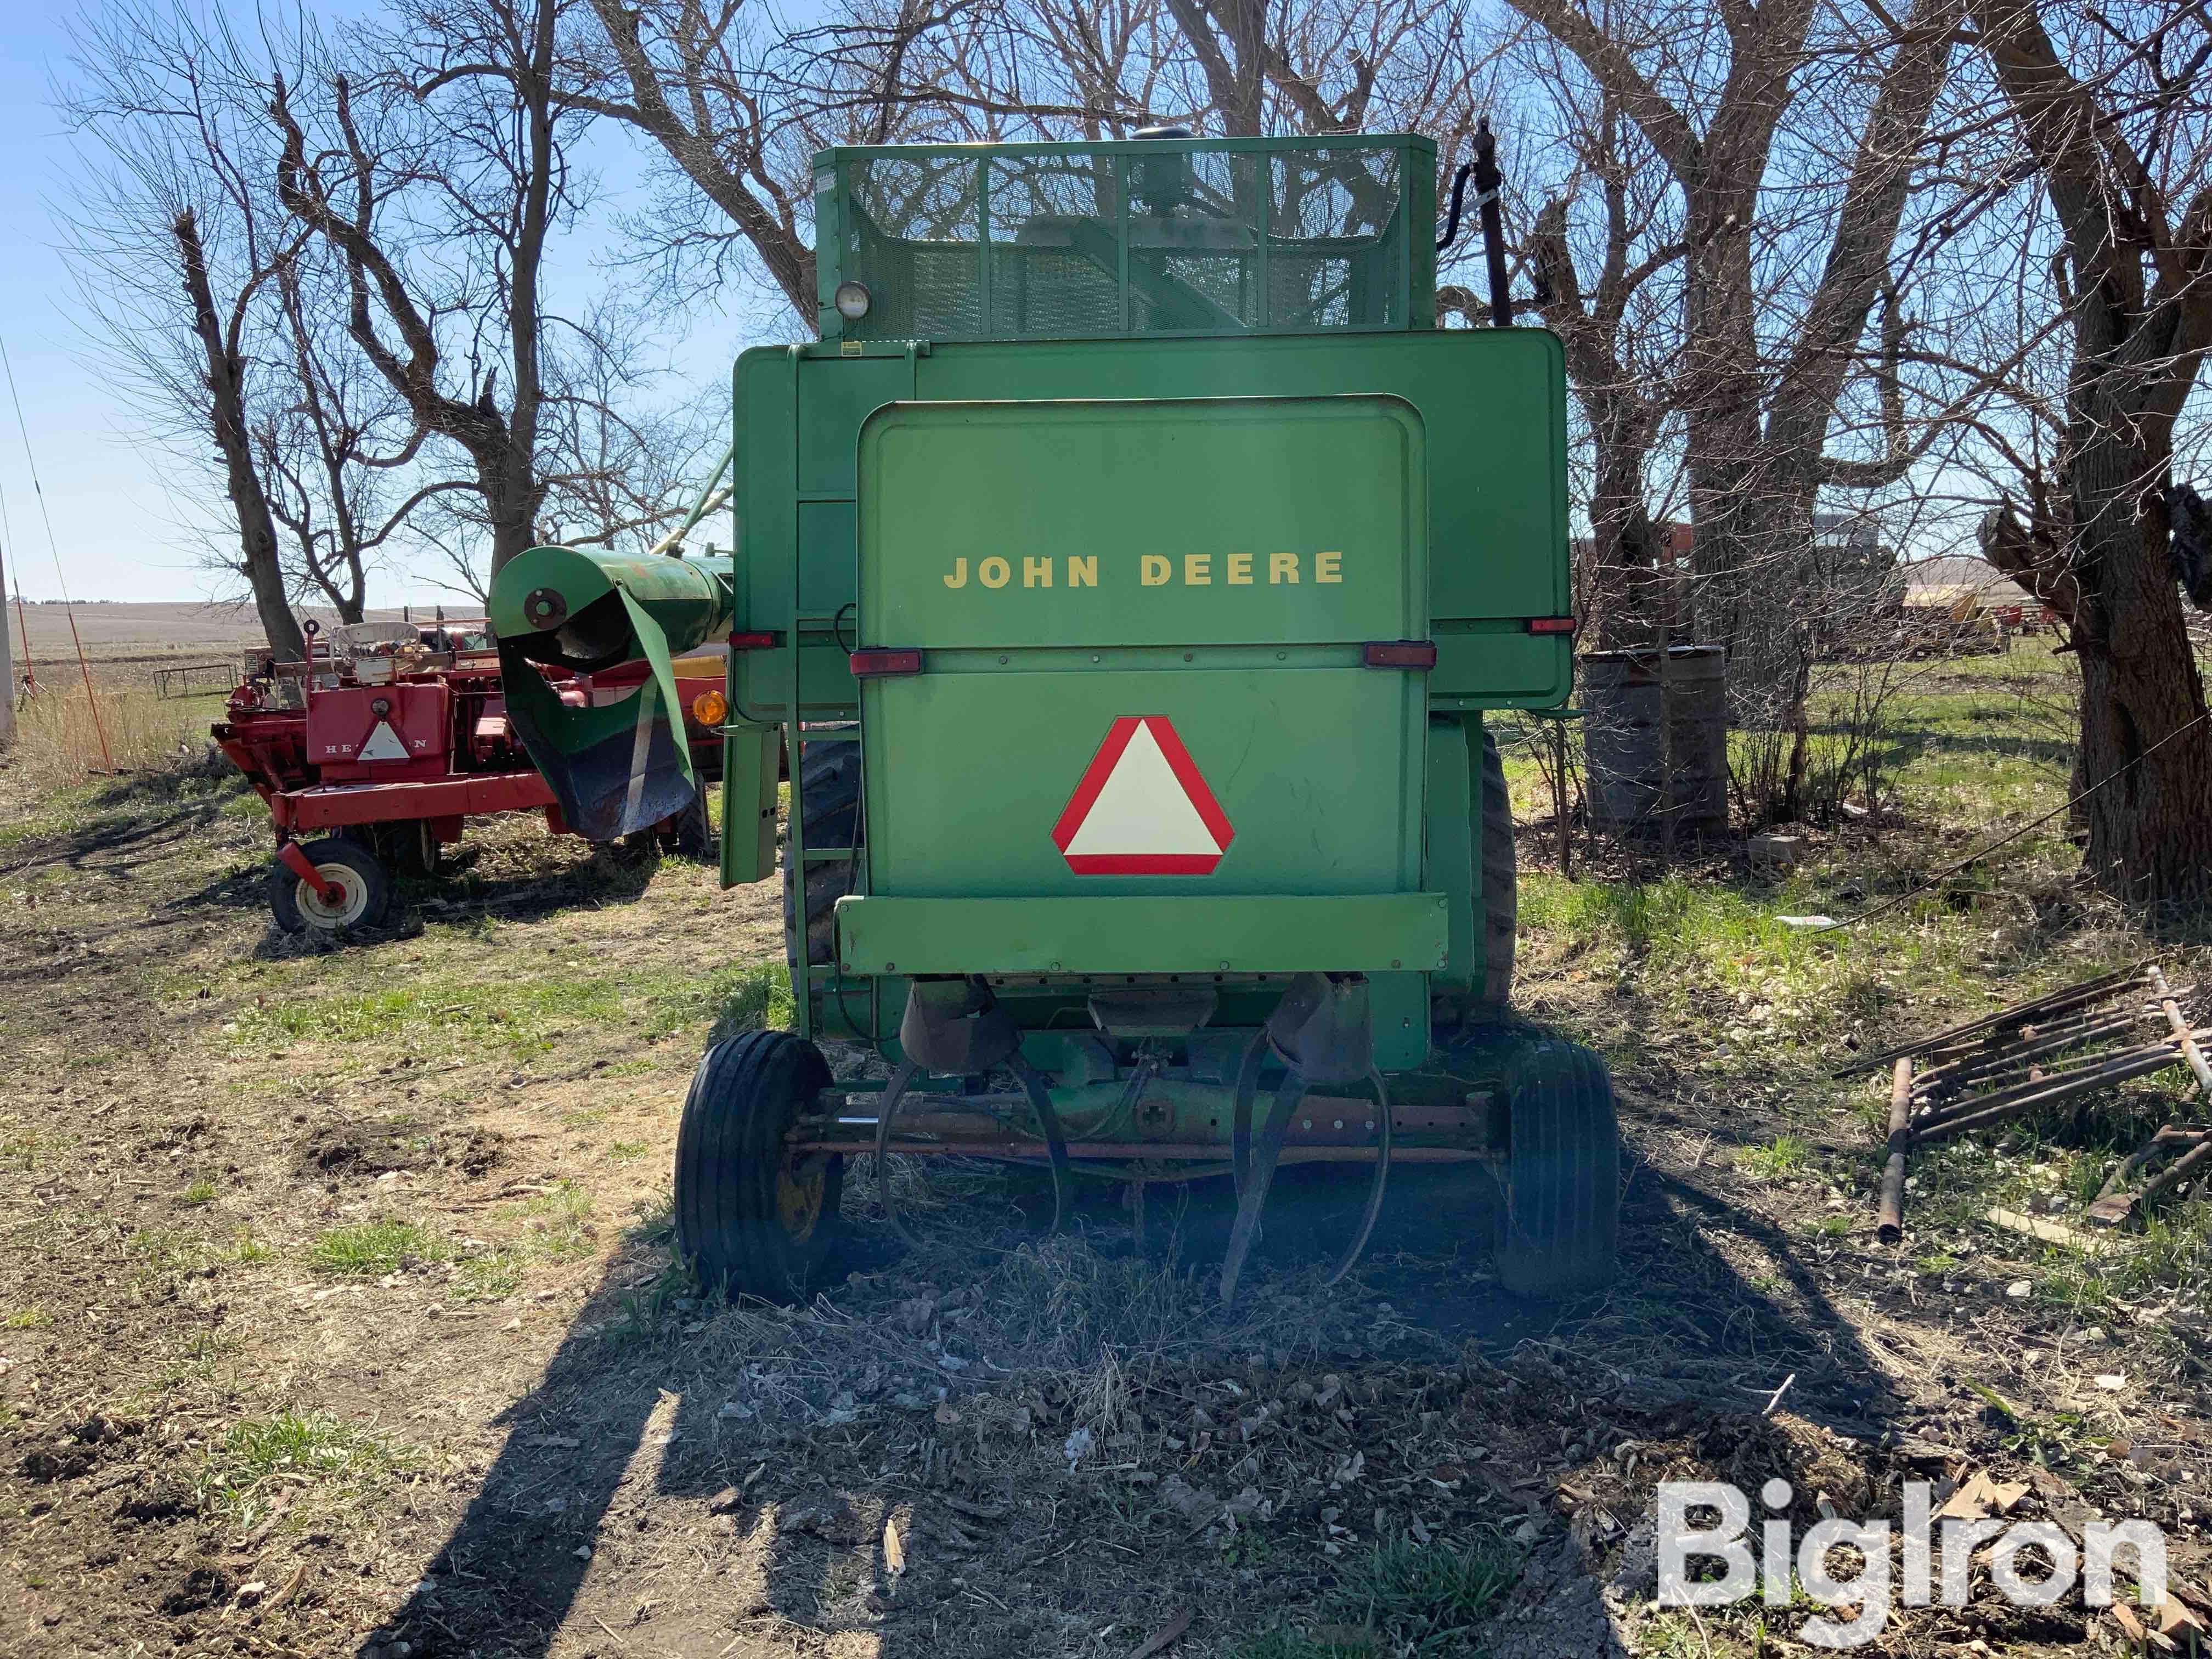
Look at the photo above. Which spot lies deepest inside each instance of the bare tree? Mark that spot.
(1766, 357)
(176, 249)
(439, 181)
(2110, 110)
(330, 447)
(1615, 329)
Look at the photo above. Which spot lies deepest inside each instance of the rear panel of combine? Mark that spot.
(1129, 724)
(1138, 453)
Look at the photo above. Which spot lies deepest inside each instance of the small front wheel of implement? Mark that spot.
(361, 895)
(752, 1217)
(1560, 1230)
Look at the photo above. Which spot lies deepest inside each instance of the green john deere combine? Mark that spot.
(1124, 575)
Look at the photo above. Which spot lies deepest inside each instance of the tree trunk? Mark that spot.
(2150, 827)
(226, 384)
(1631, 566)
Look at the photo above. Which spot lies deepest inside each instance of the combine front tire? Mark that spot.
(829, 787)
(1560, 1229)
(753, 1218)
(363, 896)
(1500, 880)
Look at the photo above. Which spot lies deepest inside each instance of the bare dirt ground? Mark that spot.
(338, 1317)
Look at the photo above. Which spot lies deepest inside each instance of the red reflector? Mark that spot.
(875, 664)
(1551, 624)
(752, 641)
(1399, 653)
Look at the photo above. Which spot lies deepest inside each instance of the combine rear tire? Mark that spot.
(1500, 880)
(751, 1217)
(690, 832)
(1560, 1229)
(364, 888)
(830, 780)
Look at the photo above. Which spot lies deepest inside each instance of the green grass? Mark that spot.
(25, 1150)
(1785, 1155)
(557, 1227)
(1403, 1597)
(436, 1014)
(433, 1013)
(754, 997)
(26, 1319)
(245, 1467)
(200, 1192)
(372, 1248)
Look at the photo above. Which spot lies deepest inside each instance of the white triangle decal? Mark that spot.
(383, 745)
(1142, 810)
(1142, 807)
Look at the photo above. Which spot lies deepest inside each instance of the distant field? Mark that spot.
(153, 631)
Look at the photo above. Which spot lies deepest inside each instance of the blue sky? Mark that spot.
(112, 517)
(122, 527)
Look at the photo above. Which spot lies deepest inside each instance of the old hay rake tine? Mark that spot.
(1375, 1186)
(1252, 1196)
(2053, 1091)
(2055, 1002)
(1055, 1143)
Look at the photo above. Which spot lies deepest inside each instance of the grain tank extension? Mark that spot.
(1124, 575)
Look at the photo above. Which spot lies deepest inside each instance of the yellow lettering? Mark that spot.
(1037, 573)
(1240, 570)
(1325, 568)
(1153, 570)
(1198, 569)
(1083, 572)
(1282, 567)
(993, 572)
(958, 578)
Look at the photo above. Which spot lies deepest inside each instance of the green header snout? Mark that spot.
(554, 603)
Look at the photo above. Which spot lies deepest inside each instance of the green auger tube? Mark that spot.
(617, 767)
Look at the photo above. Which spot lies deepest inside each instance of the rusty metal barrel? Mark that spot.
(1624, 743)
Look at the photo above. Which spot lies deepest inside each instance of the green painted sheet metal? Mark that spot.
(1453, 852)
(688, 600)
(1143, 934)
(1273, 534)
(1215, 520)
(1492, 401)
(748, 803)
(614, 768)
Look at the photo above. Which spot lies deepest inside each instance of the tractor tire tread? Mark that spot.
(1560, 1232)
(1500, 880)
(742, 1098)
(830, 780)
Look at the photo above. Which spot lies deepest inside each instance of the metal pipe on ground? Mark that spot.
(2182, 1033)
(1889, 1226)
(1964, 1073)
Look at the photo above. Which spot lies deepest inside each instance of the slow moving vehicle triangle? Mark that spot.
(383, 745)
(1142, 807)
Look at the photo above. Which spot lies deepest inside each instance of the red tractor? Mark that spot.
(373, 753)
